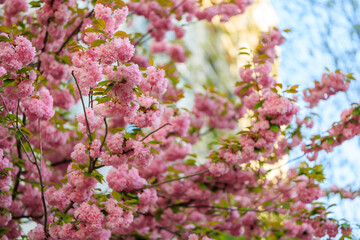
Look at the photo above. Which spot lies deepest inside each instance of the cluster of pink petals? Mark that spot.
(155, 82)
(39, 106)
(226, 10)
(119, 49)
(221, 113)
(17, 55)
(307, 190)
(148, 114)
(126, 79)
(79, 154)
(52, 70)
(123, 178)
(93, 122)
(279, 110)
(23, 89)
(330, 85)
(78, 187)
(113, 19)
(117, 218)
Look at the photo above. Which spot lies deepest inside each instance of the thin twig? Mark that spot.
(71, 204)
(171, 180)
(18, 147)
(46, 35)
(106, 133)
(166, 124)
(76, 30)
(152, 29)
(27, 216)
(143, 36)
(228, 209)
(61, 162)
(83, 105)
(37, 167)
(168, 230)
(40, 142)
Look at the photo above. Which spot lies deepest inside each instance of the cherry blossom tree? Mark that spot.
(57, 54)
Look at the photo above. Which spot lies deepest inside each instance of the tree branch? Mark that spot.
(106, 133)
(83, 105)
(76, 30)
(166, 124)
(171, 180)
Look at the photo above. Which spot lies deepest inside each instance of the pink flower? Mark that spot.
(120, 49)
(39, 106)
(79, 153)
(91, 120)
(123, 178)
(155, 82)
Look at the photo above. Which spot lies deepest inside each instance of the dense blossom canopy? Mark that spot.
(56, 54)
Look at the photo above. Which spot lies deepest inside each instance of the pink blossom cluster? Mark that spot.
(175, 51)
(112, 19)
(23, 86)
(123, 178)
(91, 120)
(78, 187)
(330, 84)
(39, 105)
(17, 55)
(221, 113)
(340, 132)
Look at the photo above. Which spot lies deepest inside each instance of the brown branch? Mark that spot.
(143, 36)
(171, 180)
(18, 147)
(46, 35)
(106, 133)
(168, 230)
(61, 162)
(83, 105)
(71, 204)
(76, 30)
(152, 29)
(166, 124)
(34, 162)
(27, 216)
(227, 209)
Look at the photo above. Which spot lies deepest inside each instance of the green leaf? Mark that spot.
(103, 99)
(103, 83)
(109, 87)
(274, 128)
(116, 196)
(154, 151)
(4, 38)
(245, 89)
(5, 29)
(8, 82)
(98, 42)
(121, 34)
(96, 30)
(191, 162)
(98, 176)
(26, 131)
(66, 59)
(154, 142)
(102, 23)
(125, 207)
(258, 105)
(35, 4)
